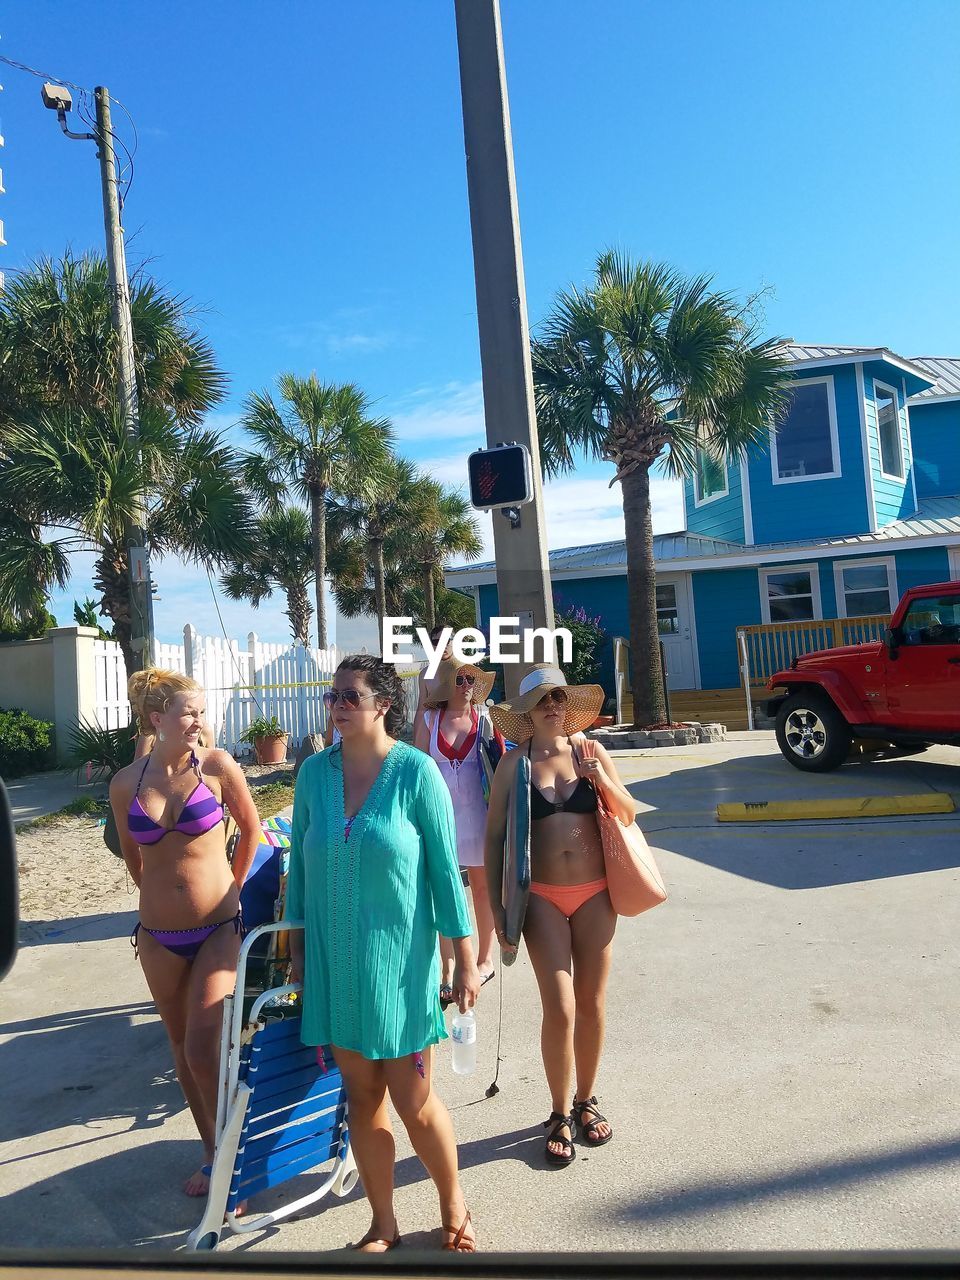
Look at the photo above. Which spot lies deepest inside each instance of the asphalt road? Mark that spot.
(781, 1070)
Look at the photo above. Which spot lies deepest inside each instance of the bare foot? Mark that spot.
(198, 1184)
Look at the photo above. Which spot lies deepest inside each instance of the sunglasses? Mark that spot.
(349, 697)
(554, 695)
(469, 681)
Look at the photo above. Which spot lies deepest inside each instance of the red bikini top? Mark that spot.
(457, 754)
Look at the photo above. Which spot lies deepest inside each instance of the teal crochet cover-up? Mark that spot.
(373, 904)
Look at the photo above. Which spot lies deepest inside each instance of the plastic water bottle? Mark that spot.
(464, 1055)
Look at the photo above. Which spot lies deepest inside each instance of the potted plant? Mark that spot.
(269, 740)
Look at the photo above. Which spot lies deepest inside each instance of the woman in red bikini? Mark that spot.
(169, 813)
(570, 923)
(447, 731)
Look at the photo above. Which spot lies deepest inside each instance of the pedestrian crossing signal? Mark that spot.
(500, 477)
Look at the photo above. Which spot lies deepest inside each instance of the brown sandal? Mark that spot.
(360, 1247)
(458, 1244)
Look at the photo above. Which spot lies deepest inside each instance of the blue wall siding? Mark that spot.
(828, 588)
(925, 564)
(603, 597)
(815, 508)
(893, 499)
(721, 518)
(723, 600)
(935, 429)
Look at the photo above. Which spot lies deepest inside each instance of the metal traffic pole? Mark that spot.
(520, 548)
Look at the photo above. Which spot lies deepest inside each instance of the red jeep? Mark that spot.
(900, 694)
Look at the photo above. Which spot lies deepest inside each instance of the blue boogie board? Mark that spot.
(516, 858)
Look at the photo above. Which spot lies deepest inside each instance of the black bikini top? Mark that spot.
(583, 799)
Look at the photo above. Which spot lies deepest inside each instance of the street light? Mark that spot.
(57, 97)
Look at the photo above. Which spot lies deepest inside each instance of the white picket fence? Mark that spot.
(286, 681)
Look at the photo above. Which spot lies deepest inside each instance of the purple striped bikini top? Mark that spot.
(201, 813)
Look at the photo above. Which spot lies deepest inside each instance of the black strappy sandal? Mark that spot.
(568, 1155)
(588, 1128)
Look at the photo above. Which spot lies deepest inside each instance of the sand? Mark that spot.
(66, 871)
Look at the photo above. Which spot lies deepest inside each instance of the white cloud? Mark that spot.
(339, 344)
(341, 335)
(454, 411)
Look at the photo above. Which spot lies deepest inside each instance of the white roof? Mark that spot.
(937, 520)
(946, 370)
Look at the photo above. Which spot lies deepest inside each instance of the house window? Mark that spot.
(804, 446)
(791, 594)
(710, 478)
(888, 426)
(866, 587)
(668, 620)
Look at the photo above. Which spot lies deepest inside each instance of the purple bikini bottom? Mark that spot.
(184, 942)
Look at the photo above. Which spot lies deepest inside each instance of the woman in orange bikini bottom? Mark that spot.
(568, 898)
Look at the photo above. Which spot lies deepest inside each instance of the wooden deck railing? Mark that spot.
(771, 647)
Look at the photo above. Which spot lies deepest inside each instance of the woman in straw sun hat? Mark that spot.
(570, 923)
(448, 731)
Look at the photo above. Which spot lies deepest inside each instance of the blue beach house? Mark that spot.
(806, 542)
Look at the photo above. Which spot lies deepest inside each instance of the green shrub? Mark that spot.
(587, 635)
(26, 744)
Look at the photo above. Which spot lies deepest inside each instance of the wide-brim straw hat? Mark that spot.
(442, 686)
(584, 702)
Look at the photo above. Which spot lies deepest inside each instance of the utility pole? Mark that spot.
(520, 550)
(141, 596)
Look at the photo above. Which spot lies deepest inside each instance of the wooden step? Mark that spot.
(707, 706)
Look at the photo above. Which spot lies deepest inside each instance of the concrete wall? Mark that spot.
(53, 678)
(26, 677)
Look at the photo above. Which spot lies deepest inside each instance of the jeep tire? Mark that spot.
(811, 733)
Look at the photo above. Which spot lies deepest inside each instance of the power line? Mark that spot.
(84, 110)
(43, 75)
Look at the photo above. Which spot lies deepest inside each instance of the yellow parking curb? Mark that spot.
(840, 807)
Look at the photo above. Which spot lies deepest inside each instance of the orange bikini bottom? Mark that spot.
(568, 898)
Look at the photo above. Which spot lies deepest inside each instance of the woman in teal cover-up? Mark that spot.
(374, 876)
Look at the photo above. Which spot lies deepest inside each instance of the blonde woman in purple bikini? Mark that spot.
(169, 809)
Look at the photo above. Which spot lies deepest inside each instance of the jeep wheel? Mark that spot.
(811, 733)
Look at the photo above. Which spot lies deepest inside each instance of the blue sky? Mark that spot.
(300, 175)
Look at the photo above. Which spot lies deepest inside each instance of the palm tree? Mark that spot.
(320, 440)
(356, 593)
(382, 506)
(443, 527)
(644, 365)
(79, 475)
(29, 567)
(59, 358)
(58, 348)
(280, 557)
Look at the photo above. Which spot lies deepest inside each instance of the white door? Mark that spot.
(673, 623)
(955, 564)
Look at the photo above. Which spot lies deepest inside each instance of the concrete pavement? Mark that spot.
(781, 1067)
(41, 793)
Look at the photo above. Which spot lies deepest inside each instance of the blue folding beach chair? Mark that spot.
(281, 1112)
